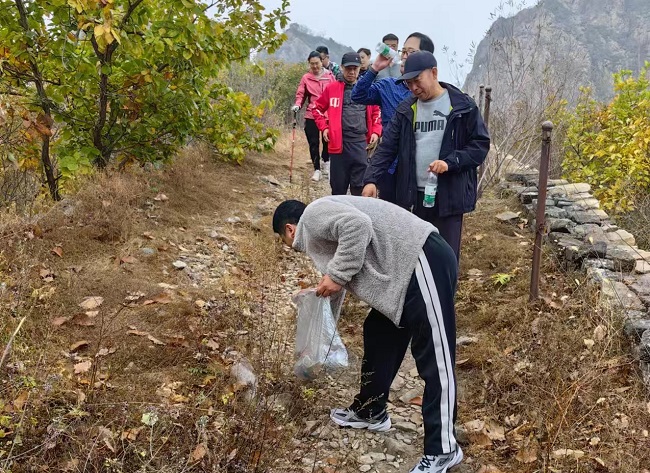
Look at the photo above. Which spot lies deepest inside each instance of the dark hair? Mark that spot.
(389, 37)
(323, 50)
(425, 42)
(365, 51)
(312, 55)
(288, 211)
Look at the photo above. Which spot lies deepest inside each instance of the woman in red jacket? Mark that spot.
(311, 87)
(348, 127)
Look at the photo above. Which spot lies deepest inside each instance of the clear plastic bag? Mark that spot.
(319, 347)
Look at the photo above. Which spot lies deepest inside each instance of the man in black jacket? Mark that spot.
(438, 130)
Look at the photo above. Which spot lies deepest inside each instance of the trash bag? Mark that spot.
(319, 347)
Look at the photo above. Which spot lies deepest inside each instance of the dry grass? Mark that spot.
(531, 370)
(57, 418)
(530, 361)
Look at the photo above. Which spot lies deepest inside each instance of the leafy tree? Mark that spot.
(134, 79)
(608, 145)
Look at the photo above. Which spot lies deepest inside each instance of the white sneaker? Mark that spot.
(348, 418)
(326, 168)
(316, 176)
(438, 463)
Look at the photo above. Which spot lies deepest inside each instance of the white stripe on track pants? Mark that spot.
(429, 324)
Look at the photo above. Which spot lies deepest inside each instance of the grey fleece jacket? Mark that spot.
(369, 246)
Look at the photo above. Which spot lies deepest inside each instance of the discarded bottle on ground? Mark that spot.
(430, 190)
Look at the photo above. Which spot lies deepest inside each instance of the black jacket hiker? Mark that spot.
(465, 145)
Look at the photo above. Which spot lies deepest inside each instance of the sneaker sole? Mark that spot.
(383, 427)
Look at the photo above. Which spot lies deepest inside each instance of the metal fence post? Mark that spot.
(540, 220)
(481, 98)
(488, 101)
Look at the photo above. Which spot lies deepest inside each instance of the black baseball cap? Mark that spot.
(351, 59)
(417, 63)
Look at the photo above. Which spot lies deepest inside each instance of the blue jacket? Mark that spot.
(384, 92)
(465, 145)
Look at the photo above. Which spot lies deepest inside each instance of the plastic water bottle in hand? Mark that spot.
(384, 50)
(430, 190)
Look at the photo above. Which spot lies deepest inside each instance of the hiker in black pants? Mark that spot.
(405, 271)
(311, 87)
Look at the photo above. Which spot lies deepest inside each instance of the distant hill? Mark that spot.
(588, 39)
(301, 41)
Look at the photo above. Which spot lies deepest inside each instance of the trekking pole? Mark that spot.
(293, 142)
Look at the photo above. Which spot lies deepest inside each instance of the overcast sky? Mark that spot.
(362, 23)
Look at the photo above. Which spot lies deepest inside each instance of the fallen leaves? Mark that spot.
(416, 401)
(58, 321)
(567, 452)
(58, 251)
(527, 454)
(199, 452)
(131, 434)
(140, 333)
(482, 433)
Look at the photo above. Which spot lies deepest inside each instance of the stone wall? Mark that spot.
(587, 239)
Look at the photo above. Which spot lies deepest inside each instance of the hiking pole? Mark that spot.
(293, 142)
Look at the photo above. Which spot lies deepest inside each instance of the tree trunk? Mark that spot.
(44, 102)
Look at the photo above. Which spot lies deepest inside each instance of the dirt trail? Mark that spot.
(196, 290)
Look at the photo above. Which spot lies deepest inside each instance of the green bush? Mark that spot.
(608, 145)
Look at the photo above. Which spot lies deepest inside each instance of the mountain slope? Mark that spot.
(301, 41)
(588, 39)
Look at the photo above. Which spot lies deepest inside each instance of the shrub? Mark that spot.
(608, 145)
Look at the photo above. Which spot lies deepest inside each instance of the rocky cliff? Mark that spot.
(584, 41)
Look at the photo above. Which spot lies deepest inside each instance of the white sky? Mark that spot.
(362, 23)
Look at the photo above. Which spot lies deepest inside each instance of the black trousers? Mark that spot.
(450, 228)
(313, 137)
(429, 323)
(348, 168)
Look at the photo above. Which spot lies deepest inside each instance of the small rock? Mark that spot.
(406, 398)
(642, 267)
(378, 457)
(233, 220)
(365, 468)
(644, 347)
(569, 189)
(464, 341)
(560, 224)
(617, 295)
(527, 197)
(179, 264)
(406, 427)
(396, 448)
(586, 204)
(147, 251)
(623, 257)
(557, 182)
(507, 216)
(635, 327)
(598, 263)
(390, 458)
(621, 236)
(271, 180)
(366, 460)
(587, 216)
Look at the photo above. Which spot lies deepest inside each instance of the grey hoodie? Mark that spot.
(369, 246)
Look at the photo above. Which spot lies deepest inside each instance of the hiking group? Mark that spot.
(384, 243)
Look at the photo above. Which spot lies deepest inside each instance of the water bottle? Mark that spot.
(385, 50)
(430, 190)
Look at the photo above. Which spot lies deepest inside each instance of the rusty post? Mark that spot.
(540, 220)
(488, 101)
(481, 98)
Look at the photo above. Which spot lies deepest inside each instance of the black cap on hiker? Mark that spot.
(351, 59)
(416, 64)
